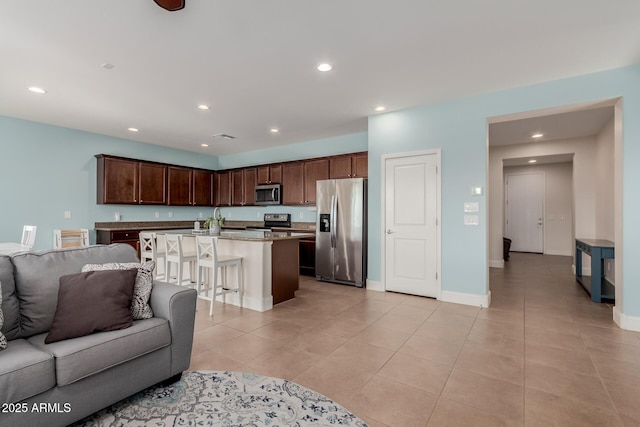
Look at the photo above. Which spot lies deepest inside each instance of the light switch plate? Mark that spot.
(471, 206)
(471, 220)
(67, 214)
(476, 191)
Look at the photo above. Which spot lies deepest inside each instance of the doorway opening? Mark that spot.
(578, 148)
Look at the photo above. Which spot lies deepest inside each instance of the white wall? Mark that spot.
(583, 150)
(605, 191)
(558, 205)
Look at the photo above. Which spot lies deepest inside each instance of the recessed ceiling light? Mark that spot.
(35, 89)
(537, 135)
(325, 67)
(203, 107)
(274, 130)
(107, 66)
(533, 161)
(204, 145)
(133, 129)
(381, 108)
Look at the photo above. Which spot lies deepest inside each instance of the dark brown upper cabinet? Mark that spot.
(243, 184)
(222, 188)
(202, 188)
(349, 166)
(189, 187)
(269, 174)
(314, 170)
(131, 182)
(299, 181)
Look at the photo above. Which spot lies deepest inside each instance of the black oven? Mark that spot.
(268, 194)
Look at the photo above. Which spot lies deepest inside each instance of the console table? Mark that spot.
(596, 285)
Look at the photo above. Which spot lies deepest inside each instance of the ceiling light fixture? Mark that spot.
(325, 67)
(533, 161)
(107, 66)
(133, 129)
(36, 89)
(381, 108)
(537, 135)
(204, 145)
(274, 130)
(203, 107)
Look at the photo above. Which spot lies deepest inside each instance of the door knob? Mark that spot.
(389, 231)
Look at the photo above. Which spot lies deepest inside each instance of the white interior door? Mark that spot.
(411, 213)
(524, 209)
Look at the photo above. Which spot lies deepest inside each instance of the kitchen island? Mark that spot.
(270, 266)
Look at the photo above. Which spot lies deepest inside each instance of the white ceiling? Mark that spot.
(254, 61)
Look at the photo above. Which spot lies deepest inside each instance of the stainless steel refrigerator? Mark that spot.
(341, 231)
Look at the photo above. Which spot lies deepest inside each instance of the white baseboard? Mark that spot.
(630, 323)
(257, 304)
(560, 252)
(466, 299)
(496, 263)
(375, 285)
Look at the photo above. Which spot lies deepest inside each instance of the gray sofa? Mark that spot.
(71, 379)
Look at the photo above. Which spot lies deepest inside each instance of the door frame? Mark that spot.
(544, 198)
(383, 212)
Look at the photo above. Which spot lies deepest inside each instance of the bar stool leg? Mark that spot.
(240, 284)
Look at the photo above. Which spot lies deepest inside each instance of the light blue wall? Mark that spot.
(459, 128)
(318, 148)
(46, 170)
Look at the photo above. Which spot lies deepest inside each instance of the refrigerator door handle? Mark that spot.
(334, 212)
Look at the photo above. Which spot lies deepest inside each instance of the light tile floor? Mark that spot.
(542, 354)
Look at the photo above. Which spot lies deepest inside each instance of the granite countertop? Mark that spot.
(167, 225)
(247, 235)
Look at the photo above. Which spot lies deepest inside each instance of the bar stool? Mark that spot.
(175, 254)
(210, 261)
(152, 247)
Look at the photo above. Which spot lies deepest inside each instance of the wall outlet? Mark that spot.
(301, 215)
(200, 215)
(67, 214)
(116, 216)
(157, 214)
(258, 215)
(170, 214)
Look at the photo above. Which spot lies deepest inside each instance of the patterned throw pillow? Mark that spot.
(3, 339)
(140, 308)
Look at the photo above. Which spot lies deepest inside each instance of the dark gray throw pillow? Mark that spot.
(140, 308)
(91, 302)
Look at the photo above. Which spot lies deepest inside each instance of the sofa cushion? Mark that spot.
(37, 276)
(140, 308)
(79, 358)
(3, 339)
(25, 371)
(94, 301)
(10, 307)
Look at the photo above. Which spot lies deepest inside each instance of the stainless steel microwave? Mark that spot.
(268, 194)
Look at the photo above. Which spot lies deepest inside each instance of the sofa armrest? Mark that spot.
(178, 305)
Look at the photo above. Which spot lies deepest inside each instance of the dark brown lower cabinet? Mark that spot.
(130, 237)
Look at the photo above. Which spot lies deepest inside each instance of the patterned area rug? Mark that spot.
(221, 398)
